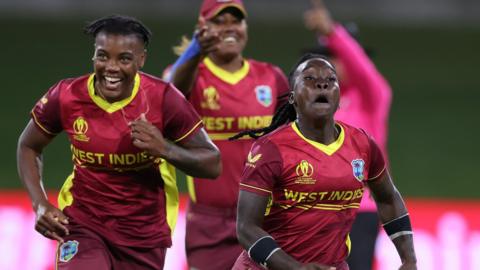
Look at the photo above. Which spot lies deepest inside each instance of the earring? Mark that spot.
(290, 98)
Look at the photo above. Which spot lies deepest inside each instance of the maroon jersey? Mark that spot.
(315, 189)
(117, 189)
(230, 103)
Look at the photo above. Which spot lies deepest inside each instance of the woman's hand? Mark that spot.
(50, 221)
(148, 137)
(318, 18)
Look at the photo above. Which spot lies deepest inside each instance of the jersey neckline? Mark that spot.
(227, 76)
(115, 106)
(327, 149)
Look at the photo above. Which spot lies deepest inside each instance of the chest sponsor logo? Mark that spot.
(80, 128)
(252, 159)
(68, 250)
(264, 95)
(304, 171)
(358, 166)
(210, 99)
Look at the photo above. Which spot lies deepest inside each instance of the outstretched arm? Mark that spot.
(259, 244)
(184, 70)
(394, 216)
(50, 221)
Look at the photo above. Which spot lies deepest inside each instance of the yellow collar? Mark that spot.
(105, 105)
(227, 76)
(327, 149)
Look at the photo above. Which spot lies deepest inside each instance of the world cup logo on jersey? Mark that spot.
(304, 171)
(358, 166)
(80, 127)
(211, 97)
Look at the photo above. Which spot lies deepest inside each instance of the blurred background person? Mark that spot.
(364, 102)
(231, 93)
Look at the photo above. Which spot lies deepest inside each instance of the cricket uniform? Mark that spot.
(117, 195)
(314, 189)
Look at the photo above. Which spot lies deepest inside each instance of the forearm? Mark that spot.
(183, 77)
(29, 166)
(196, 162)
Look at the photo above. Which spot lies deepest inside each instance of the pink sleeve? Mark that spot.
(361, 72)
(46, 113)
(262, 167)
(364, 77)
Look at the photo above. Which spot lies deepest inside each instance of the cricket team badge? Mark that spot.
(68, 250)
(358, 166)
(264, 95)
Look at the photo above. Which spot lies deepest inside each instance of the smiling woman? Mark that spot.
(120, 200)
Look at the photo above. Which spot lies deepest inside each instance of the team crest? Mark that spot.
(68, 250)
(210, 99)
(80, 127)
(304, 171)
(358, 165)
(264, 95)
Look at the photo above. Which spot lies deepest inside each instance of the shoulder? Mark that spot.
(69, 85)
(255, 64)
(277, 136)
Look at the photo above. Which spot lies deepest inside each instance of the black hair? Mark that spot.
(286, 113)
(119, 24)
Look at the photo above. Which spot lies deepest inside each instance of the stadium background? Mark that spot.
(428, 51)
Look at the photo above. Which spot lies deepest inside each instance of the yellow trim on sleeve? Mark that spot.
(65, 197)
(254, 187)
(107, 106)
(376, 176)
(348, 242)
(191, 188)
(172, 201)
(226, 136)
(227, 76)
(189, 132)
(327, 149)
(40, 125)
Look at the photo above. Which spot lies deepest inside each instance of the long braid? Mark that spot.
(286, 113)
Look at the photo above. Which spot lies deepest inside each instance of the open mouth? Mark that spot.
(321, 99)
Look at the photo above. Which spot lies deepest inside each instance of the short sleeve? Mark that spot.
(263, 167)
(46, 112)
(180, 119)
(377, 162)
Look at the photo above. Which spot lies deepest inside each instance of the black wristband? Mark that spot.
(398, 227)
(262, 249)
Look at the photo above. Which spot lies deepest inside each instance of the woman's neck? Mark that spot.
(323, 131)
(229, 64)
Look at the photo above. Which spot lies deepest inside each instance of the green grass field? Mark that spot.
(433, 71)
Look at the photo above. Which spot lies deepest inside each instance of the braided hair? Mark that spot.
(286, 113)
(119, 24)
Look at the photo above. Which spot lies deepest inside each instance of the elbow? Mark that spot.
(215, 169)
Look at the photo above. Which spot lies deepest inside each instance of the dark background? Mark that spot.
(432, 67)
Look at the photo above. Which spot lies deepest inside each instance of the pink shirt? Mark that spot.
(365, 97)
